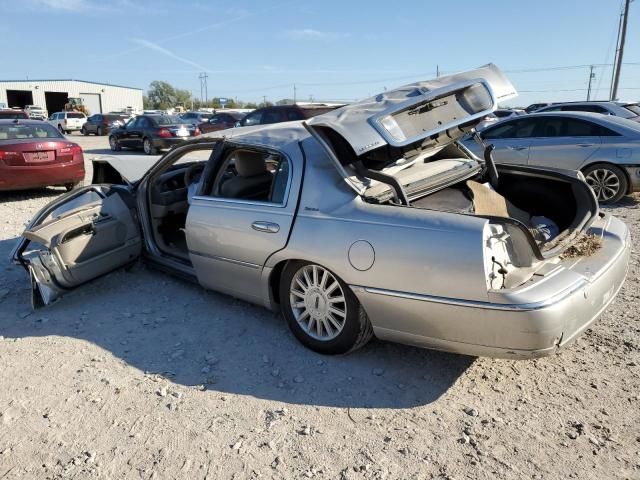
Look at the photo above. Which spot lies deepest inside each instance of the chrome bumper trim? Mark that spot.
(512, 307)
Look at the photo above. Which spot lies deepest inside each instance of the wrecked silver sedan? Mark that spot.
(368, 220)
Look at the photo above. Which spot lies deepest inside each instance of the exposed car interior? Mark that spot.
(431, 177)
(240, 174)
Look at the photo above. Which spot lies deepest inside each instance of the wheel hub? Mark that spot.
(317, 302)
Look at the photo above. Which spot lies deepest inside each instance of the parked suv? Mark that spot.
(35, 112)
(67, 122)
(284, 113)
(220, 121)
(628, 110)
(102, 124)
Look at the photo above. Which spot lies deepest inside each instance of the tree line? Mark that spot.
(162, 95)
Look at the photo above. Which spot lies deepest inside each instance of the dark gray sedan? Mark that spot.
(606, 149)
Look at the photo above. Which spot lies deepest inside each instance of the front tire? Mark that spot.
(148, 147)
(61, 129)
(608, 182)
(99, 132)
(321, 310)
(114, 144)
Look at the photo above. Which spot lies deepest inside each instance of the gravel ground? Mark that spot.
(140, 375)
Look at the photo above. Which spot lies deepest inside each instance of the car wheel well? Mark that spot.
(274, 279)
(624, 172)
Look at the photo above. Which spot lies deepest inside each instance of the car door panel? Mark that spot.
(227, 246)
(81, 244)
(511, 150)
(562, 152)
(230, 240)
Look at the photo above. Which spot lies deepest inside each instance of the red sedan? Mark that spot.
(34, 154)
(221, 121)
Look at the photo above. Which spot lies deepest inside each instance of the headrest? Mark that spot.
(249, 163)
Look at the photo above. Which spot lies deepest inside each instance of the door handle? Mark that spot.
(267, 227)
(585, 144)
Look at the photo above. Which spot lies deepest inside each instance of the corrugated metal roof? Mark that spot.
(67, 80)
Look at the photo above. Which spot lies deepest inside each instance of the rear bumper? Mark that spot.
(529, 322)
(168, 142)
(35, 176)
(633, 173)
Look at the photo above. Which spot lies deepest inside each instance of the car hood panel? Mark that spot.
(365, 125)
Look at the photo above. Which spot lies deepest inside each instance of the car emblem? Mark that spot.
(39, 146)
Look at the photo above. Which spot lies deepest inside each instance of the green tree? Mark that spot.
(162, 95)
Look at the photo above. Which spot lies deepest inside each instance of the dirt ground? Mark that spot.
(139, 375)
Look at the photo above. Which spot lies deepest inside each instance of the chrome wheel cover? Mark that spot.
(147, 146)
(604, 183)
(318, 302)
(112, 143)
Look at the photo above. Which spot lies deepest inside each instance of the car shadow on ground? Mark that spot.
(14, 196)
(626, 201)
(160, 324)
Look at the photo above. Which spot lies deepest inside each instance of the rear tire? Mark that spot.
(99, 132)
(84, 131)
(608, 182)
(325, 316)
(148, 147)
(72, 186)
(114, 144)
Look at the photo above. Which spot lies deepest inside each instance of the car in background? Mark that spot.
(12, 114)
(196, 117)
(34, 154)
(630, 110)
(152, 133)
(102, 123)
(284, 113)
(35, 112)
(221, 121)
(498, 115)
(536, 106)
(606, 149)
(67, 122)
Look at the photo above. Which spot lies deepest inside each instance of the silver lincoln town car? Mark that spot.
(371, 219)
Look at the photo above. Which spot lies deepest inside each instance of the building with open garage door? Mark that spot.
(53, 95)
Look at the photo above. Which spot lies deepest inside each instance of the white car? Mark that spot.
(68, 121)
(35, 112)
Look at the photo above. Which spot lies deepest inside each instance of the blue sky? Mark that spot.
(341, 50)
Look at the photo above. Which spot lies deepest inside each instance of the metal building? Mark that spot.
(54, 94)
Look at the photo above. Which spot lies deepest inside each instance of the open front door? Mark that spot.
(78, 238)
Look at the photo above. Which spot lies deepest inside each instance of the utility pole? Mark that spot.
(294, 93)
(591, 77)
(203, 85)
(620, 54)
(437, 70)
(264, 100)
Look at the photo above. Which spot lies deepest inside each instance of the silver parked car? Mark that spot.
(368, 220)
(606, 149)
(630, 110)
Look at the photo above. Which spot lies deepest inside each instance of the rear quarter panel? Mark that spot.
(416, 251)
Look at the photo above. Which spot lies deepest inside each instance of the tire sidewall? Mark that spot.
(617, 171)
(350, 333)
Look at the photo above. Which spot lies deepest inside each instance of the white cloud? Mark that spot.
(312, 34)
(157, 48)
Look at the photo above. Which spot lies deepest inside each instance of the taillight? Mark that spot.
(163, 132)
(196, 132)
(72, 150)
(9, 155)
(65, 121)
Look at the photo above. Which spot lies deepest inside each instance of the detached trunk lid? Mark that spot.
(420, 110)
